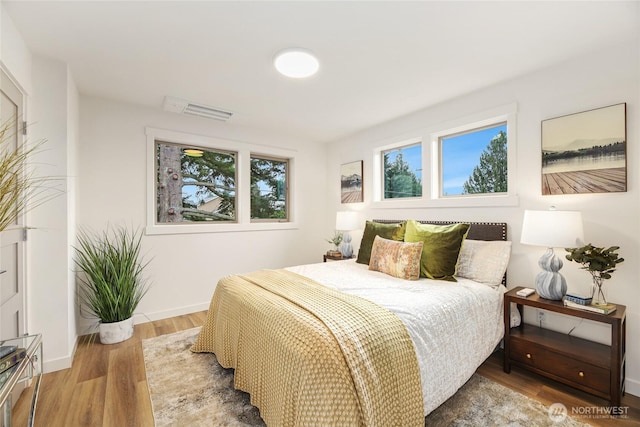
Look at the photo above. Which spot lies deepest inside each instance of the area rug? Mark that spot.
(192, 389)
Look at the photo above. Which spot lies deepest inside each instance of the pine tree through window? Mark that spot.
(195, 184)
(269, 188)
(402, 172)
(474, 162)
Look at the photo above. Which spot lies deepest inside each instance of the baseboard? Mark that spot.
(59, 363)
(165, 314)
(632, 387)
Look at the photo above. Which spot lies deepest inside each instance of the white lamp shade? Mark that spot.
(347, 220)
(552, 229)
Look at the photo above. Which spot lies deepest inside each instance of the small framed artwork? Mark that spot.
(351, 182)
(585, 152)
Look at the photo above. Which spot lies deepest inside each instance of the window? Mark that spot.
(195, 184)
(474, 161)
(402, 172)
(199, 184)
(269, 189)
(468, 162)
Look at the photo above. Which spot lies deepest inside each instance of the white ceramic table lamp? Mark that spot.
(345, 222)
(552, 229)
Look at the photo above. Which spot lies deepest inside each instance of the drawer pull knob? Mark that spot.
(528, 355)
(581, 374)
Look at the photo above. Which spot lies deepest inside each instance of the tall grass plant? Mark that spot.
(21, 189)
(111, 282)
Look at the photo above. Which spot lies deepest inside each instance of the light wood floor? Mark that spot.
(106, 385)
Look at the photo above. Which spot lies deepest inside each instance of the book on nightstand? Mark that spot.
(578, 299)
(602, 309)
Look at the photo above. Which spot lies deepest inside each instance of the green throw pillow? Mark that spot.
(373, 229)
(441, 247)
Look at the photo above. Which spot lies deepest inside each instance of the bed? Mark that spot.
(340, 343)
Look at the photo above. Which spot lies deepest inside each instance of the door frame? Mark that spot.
(17, 233)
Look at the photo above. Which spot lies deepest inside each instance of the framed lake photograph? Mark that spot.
(351, 182)
(585, 152)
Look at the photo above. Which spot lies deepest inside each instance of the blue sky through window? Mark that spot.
(411, 155)
(460, 154)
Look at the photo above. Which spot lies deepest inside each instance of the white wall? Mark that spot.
(14, 54)
(600, 79)
(73, 128)
(185, 268)
(52, 114)
(51, 282)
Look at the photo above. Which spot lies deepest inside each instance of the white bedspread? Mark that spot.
(454, 326)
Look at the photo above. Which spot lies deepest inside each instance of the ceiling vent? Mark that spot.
(177, 105)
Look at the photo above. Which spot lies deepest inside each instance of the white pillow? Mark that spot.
(484, 261)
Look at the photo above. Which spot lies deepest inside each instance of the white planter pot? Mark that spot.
(111, 333)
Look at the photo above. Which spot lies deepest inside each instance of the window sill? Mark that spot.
(217, 228)
(450, 202)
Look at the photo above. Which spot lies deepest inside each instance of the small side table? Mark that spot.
(326, 258)
(586, 365)
(26, 370)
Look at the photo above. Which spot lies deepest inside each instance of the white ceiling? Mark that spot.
(379, 60)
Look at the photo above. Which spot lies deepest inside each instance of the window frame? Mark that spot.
(432, 165)
(287, 185)
(399, 146)
(243, 151)
(440, 177)
(209, 149)
(509, 198)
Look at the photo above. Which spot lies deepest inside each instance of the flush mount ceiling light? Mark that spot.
(296, 63)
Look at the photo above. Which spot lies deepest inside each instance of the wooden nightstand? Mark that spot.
(589, 366)
(326, 258)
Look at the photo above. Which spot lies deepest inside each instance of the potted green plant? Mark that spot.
(111, 282)
(599, 262)
(336, 240)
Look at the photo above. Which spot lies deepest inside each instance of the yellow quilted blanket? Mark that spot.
(313, 356)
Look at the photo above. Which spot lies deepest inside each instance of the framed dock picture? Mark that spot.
(351, 182)
(585, 152)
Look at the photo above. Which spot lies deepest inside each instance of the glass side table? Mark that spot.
(21, 375)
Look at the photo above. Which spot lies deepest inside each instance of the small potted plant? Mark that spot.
(599, 262)
(110, 283)
(336, 240)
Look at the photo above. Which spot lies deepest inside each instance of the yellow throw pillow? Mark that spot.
(398, 259)
(441, 247)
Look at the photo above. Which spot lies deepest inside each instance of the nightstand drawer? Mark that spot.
(524, 352)
(569, 369)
